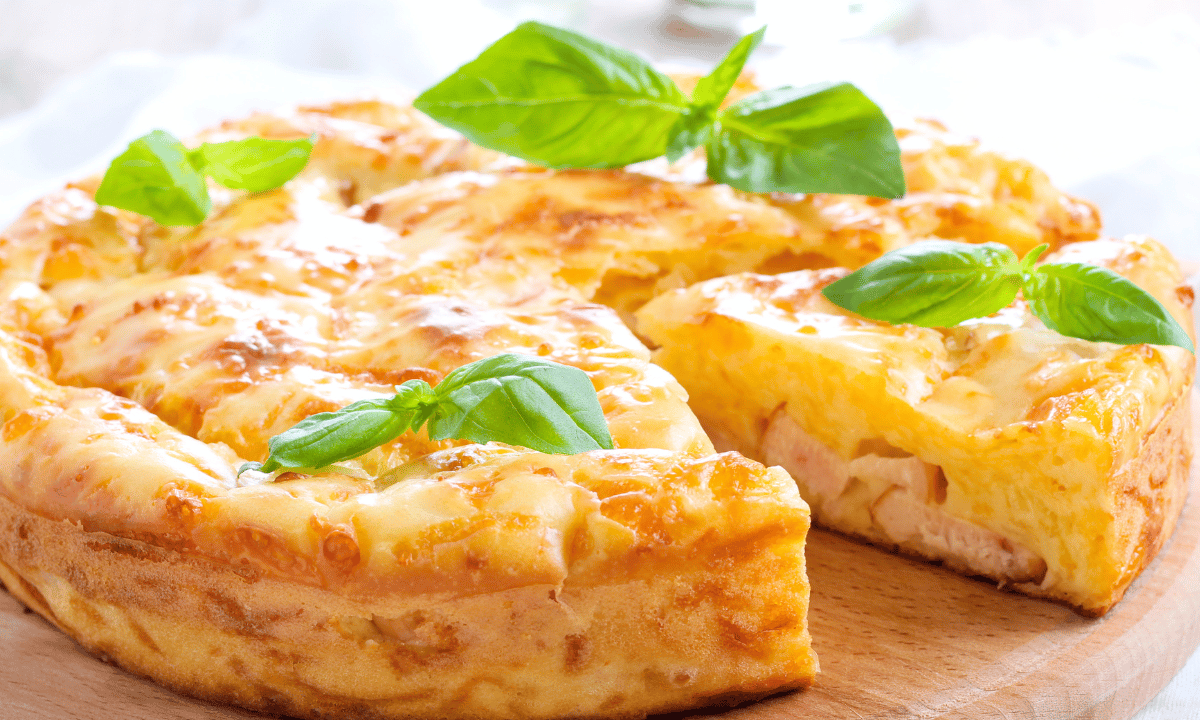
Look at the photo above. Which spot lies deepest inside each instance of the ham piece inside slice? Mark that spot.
(905, 494)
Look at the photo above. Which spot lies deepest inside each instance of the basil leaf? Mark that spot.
(689, 132)
(710, 92)
(326, 438)
(821, 138)
(521, 400)
(154, 177)
(937, 283)
(1031, 257)
(942, 283)
(1097, 304)
(695, 127)
(254, 164)
(559, 99)
(508, 398)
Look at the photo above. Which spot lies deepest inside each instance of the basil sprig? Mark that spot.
(694, 128)
(159, 177)
(514, 399)
(941, 283)
(563, 100)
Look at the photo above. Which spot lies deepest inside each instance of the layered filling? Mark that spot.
(903, 498)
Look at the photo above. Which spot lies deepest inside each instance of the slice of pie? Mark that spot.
(143, 365)
(1051, 465)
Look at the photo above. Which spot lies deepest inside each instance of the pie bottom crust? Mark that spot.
(220, 633)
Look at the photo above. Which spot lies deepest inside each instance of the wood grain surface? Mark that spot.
(897, 639)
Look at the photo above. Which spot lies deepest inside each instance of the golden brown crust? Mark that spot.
(222, 633)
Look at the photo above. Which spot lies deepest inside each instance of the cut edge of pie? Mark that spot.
(1052, 466)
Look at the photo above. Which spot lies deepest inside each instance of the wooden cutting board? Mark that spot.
(897, 639)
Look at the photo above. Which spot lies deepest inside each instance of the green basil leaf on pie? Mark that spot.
(524, 401)
(559, 99)
(827, 138)
(254, 164)
(936, 283)
(1097, 304)
(155, 178)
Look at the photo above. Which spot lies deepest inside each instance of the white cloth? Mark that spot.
(1110, 117)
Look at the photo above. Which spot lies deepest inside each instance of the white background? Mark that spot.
(1104, 95)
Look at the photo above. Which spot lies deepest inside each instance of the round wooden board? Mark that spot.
(897, 639)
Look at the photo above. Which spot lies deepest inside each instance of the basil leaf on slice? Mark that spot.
(936, 283)
(326, 438)
(558, 99)
(1097, 304)
(821, 138)
(254, 164)
(521, 400)
(694, 128)
(154, 177)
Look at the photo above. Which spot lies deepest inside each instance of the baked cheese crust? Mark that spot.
(142, 365)
(1052, 465)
